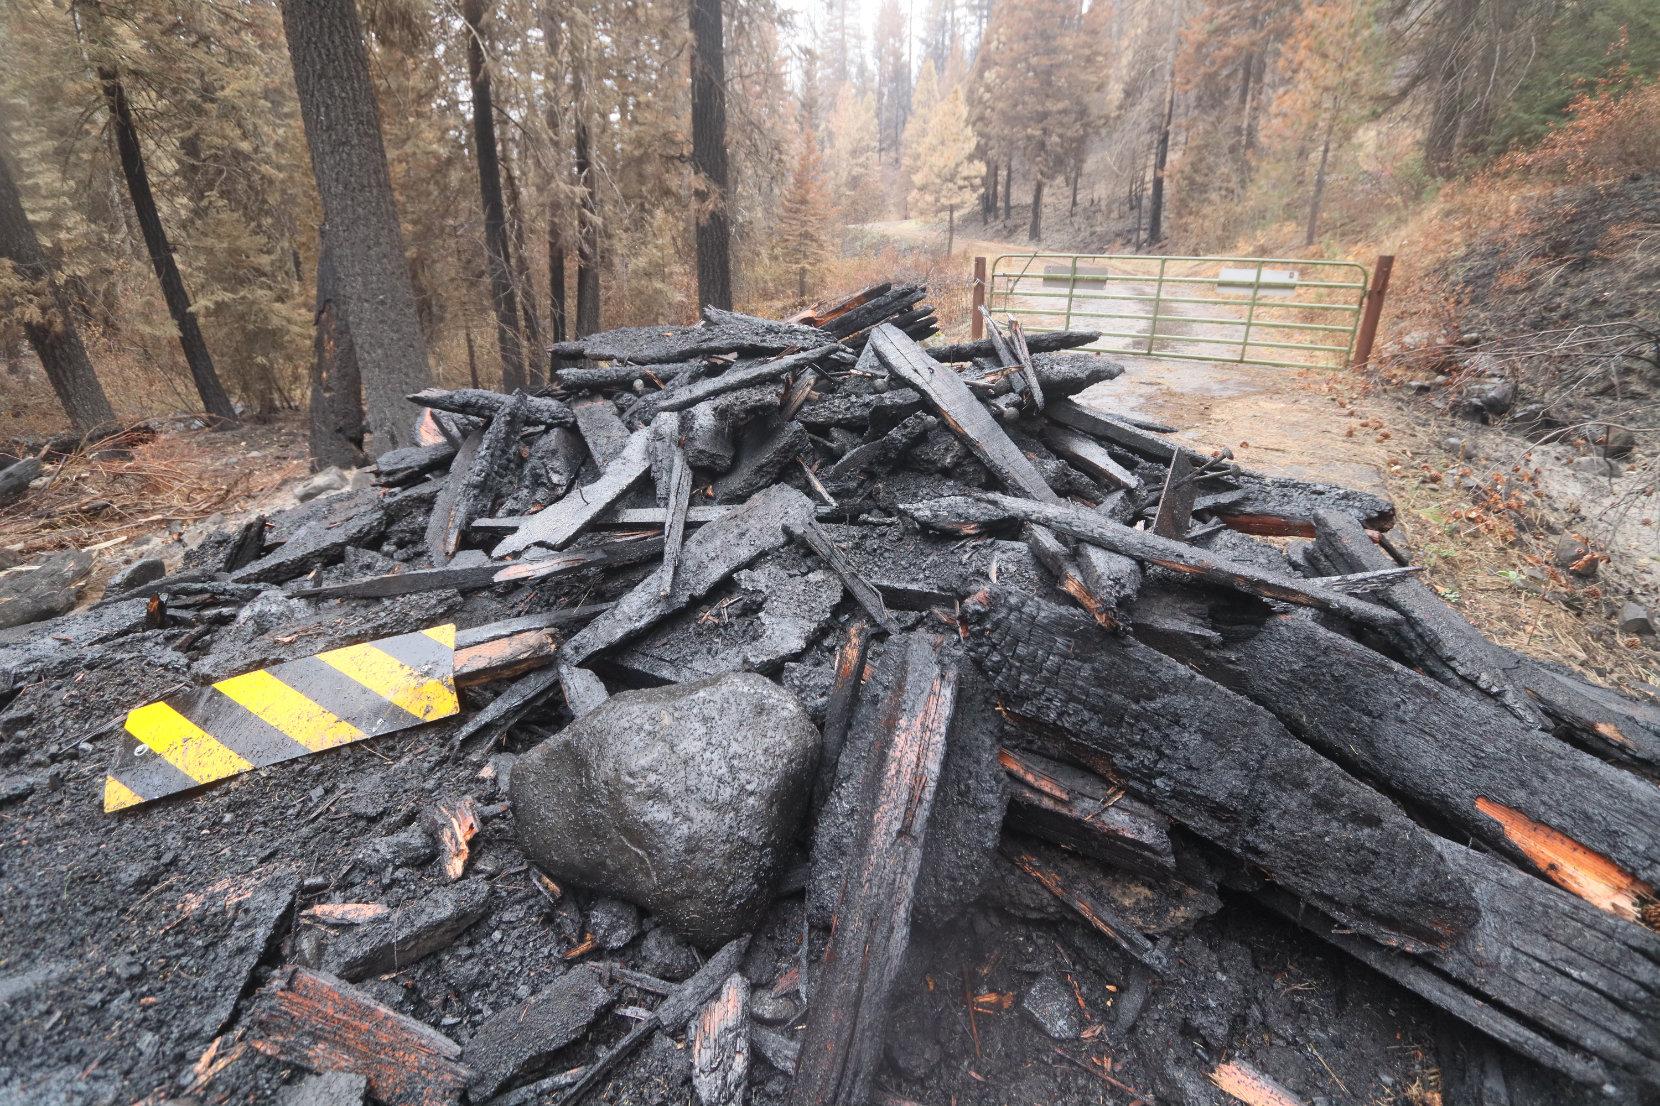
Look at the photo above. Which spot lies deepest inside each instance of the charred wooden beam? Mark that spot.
(986, 507)
(1089, 906)
(320, 1023)
(813, 537)
(761, 372)
(1579, 822)
(1089, 456)
(720, 1046)
(1430, 633)
(555, 526)
(481, 404)
(838, 713)
(707, 429)
(677, 496)
(1279, 506)
(847, 1018)
(1084, 813)
(711, 555)
(1622, 729)
(859, 410)
(769, 448)
(1175, 513)
(728, 332)
(482, 481)
(449, 496)
(820, 314)
(852, 468)
(601, 428)
(960, 352)
(965, 415)
(1123, 433)
(1222, 766)
(876, 311)
(1023, 355)
(622, 374)
(1058, 375)
(550, 470)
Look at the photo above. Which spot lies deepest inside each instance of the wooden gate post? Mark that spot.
(1372, 311)
(977, 322)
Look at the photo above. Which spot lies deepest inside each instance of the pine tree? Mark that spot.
(806, 214)
(852, 154)
(946, 173)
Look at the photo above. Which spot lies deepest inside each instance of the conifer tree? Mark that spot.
(806, 214)
(946, 173)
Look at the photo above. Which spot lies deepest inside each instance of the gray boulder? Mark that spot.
(681, 799)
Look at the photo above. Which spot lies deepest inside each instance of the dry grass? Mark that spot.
(164, 483)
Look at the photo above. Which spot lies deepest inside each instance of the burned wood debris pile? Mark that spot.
(792, 712)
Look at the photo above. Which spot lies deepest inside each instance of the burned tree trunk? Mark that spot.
(360, 216)
(214, 399)
(587, 227)
(488, 156)
(1161, 157)
(711, 189)
(1035, 228)
(845, 1037)
(54, 337)
(556, 234)
(336, 388)
(1222, 766)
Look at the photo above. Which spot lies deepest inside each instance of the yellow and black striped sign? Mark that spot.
(283, 712)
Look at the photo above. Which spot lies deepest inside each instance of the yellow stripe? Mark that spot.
(443, 635)
(118, 796)
(183, 744)
(283, 708)
(391, 679)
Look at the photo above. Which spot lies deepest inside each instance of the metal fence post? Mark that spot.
(1373, 311)
(977, 323)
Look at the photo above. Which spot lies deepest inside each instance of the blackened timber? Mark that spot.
(1089, 906)
(1222, 766)
(624, 375)
(1059, 375)
(852, 468)
(720, 1046)
(249, 544)
(1175, 513)
(813, 537)
(847, 1017)
(849, 681)
(550, 470)
(877, 311)
(601, 428)
(1105, 427)
(463, 577)
(1583, 824)
(821, 314)
(1052, 553)
(707, 429)
(959, 352)
(983, 508)
(762, 372)
(677, 495)
(770, 447)
(858, 410)
(480, 485)
(1084, 813)
(625, 550)
(1431, 633)
(655, 345)
(1279, 506)
(314, 1020)
(1609, 724)
(965, 415)
(556, 525)
(482, 404)
(449, 496)
(1023, 355)
(710, 556)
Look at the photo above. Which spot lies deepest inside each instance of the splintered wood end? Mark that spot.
(1572, 866)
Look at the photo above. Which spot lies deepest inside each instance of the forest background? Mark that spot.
(543, 177)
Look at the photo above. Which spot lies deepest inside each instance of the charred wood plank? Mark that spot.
(838, 713)
(1430, 633)
(677, 495)
(847, 1018)
(813, 537)
(1222, 766)
(1175, 513)
(483, 478)
(1605, 722)
(822, 314)
(769, 449)
(449, 497)
(1058, 375)
(876, 311)
(400, 464)
(1084, 813)
(708, 428)
(1089, 456)
(762, 372)
(1121, 432)
(1101, 917)
(1053, 342)
(601, 428)
(482, 404)
(612, 554)
(1542, 971)
(1583, 824)
(322, 1024)
(555, 526)
(985, 507)
(726, 332)
(550, 471)
(859, 410)
(852, 468)
(1050, 550)
(1280, 506)
(463, 577)
(622, 374)
(1023, 355)
(964, 414)
(711, 555)
(248, 545)
(720, 1046)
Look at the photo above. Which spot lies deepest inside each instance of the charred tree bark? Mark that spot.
(587, 234)
(1008, 187)
(711, 189)
(488, 157)
(336, 386)
(556, 233)
(1035, 228)
(1319, 193)
(214, 399)
(1161, 156)
(360, 216)
(529, 309)
(55, 340)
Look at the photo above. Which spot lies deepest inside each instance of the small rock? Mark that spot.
(46, 589)
(613, 923)
(1597, 466)
(1575, 556)
(1458, 447)
(13, 788)
(684, 800)
(1054, 1007)
(330, 480)
(770, 1008)
(518, 1042)
(409, 849)
(1612, 441)
(1635, 619)
(666, 955)
(1487, 398)
(332, 1088)
(137, 574)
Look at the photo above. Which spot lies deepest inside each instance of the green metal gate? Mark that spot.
(1284, 312)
